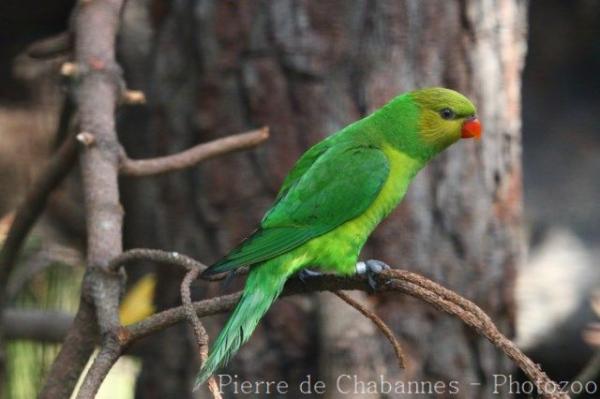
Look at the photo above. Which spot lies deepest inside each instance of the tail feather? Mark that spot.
(261, 290)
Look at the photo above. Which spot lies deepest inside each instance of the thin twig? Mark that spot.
(156, 256)
(378, 322)
(199, 330)
(51, 47)
(192, 156)
(160, 257)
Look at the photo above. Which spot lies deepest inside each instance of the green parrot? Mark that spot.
(333, 198)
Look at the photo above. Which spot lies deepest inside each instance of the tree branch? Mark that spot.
(36, 325)
(199, 330)
(33, 205)
(103, 362)
(51, 47)
(378, 323)
(156, 256)
(74, 353)
(192, 156)
(98, 91)
(390, 280)
(160, 257)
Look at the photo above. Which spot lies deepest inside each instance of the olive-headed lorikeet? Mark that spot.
(334, 197)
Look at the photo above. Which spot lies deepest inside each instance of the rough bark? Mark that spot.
(97, 94)
(306, 69)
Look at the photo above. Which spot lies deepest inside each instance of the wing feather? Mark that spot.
(339, 185)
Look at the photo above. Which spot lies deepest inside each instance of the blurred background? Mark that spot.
(549, 309)
(561, 162)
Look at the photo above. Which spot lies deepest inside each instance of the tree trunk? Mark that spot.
(306, 69)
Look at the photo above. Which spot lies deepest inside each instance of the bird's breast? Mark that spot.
(402, 170)
(338, 249)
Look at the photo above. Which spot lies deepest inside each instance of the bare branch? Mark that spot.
(36, 325)
(98, 91)
(74, 354)
(51, 47)
(199, 330)
(99, 88)
(34, 203)
(103, 362)
(154, 255)
(194, 269)
(192, 156)
(99, 163)
(118, 340)
(392, 280)
(160, 257)
(378, 322)
(404, 281)
(389, 280)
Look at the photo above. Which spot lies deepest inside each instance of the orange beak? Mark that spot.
(471, 128)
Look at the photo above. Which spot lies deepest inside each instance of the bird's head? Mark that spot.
(445, 117)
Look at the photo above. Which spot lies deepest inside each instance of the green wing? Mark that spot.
(303, 164)
(338, 186)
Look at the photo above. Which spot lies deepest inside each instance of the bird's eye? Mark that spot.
(447, 113)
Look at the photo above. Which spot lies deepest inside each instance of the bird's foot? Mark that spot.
(307, 274)
(371, 268)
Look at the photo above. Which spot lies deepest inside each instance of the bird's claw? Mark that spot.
(306, 274)
(371, 268)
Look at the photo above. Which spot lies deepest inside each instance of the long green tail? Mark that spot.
(263, 286)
